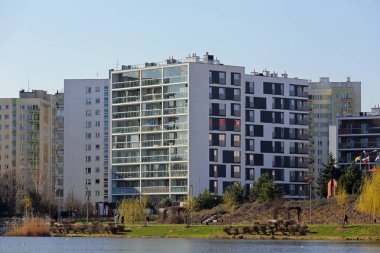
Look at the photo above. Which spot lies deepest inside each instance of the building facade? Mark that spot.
(165, 144)
(328, 101)
(28, 144)
(86, 140)
(357, 139)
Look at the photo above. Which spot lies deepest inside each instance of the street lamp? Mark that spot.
(87, 197)
(191, 204)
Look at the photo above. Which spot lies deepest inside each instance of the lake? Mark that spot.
(97, 245)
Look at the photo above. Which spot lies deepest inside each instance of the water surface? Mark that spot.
(96, 245)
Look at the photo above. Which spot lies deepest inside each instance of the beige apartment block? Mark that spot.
(328, 101)
(28, 148)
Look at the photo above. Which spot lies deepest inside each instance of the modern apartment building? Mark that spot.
(328, 101)
(164, 143)
(356, 138)
(86, 140)
(27, 144)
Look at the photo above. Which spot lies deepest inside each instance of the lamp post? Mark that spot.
(310, 182)
(72, 200)
(87, 198)
(191, 204)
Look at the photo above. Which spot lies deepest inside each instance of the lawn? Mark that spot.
(317, 232)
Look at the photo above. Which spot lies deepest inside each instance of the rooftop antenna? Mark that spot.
(117, 63)
(28, 85)
(97, 75)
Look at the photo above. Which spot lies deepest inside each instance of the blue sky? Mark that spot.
(47, 41)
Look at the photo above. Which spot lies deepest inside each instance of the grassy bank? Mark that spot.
(317, 232)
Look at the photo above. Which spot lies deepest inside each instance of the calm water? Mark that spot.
(96, 245)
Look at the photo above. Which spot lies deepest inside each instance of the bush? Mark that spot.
(233, 195)
(205, 200)
(256, 229)
(227, 230)
(165, 203)
(246, 230)
(32, 227)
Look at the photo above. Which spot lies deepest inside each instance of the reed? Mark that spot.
(31, 227)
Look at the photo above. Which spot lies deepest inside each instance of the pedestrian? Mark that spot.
(147, 220)
(116, 219)
(345, 219)
(122, 219)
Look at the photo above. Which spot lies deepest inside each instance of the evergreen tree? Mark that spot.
(264, 190)
(328, 172)
(206, 200)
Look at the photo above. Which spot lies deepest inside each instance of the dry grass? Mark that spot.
(31, 227)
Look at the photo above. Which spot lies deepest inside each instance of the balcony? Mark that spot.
(151, 97)
(130, 129)
(154, 112)
(126, 145)
(175, 95)
(358, 145)
(179, 189)
(151, 128)
(175, 110)
(158, 158)
(359, 131)
(126, 190)
(120, 115)
(132, 159)
(123, 175)
(122, 100)
(175, 126)
(151, 143)
(175, 79)
(126, 84)
(178, 173)
(149, 82)
(155, 189)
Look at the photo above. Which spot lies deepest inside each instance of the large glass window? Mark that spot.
(175, 74)
(235, 79)
(151, 77)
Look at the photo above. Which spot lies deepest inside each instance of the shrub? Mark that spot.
(263, 229)
(236, 231)
(255, 229)
(205, 200)
(246, 230)
(233, 195)
(227, 230)
(264, 190)
(32, 227)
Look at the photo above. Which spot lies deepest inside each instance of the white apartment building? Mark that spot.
(183, 126)
(86, 140)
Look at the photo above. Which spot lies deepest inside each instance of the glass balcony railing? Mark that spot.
(121, 100)
(175, 95)
(132, 159)
(150, 174)
(127, 84)
(154, 189)
(131, 129)
(175, 79)
(149, 82)
(151, 143)
(178, 173)
(120, 115)
(175, 110)
(151, 97)
(154, 112)
(175, 126)
(126, 190)
(179, 189)
(126, 145)
(151, 128)
(121, 175)
(159, 158)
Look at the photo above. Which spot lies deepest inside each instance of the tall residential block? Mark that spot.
(328, 101)
(28, 144)
(86, 140)
(183, 126)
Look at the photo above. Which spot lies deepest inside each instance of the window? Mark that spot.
(88, 135)
(236, 94)
(88, 101)
(222, 109)
(217, 77)
(235, 171)
(88, 113)
(222, 124)
(88, 147)
(235, 110)
(88, 90)
(213, 155)
(97, 123)
(97, 193)
(250, 145)
(222, 140)
(97, 158)
(88, 124)
(88, 159)
(88, 181)
(235, 79)
(97, 169)
(249, 88)
(97, 146)
(97, 135)
(97, 100)
(222, 93)
(235, 140)
(97, 112)
(97, 89)
(97, 181)
(236, 156)
(236, 124)
(88, 170)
